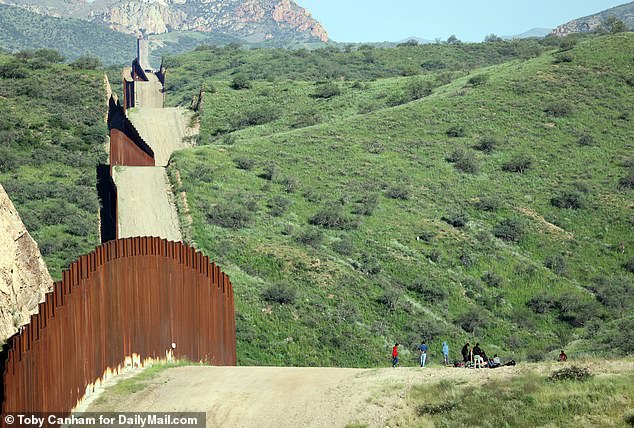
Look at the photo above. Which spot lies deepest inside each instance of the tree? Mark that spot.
(453, 40)
(492, 38)
(612, 25)
(86, 62)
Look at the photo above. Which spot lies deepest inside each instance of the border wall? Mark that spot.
(125, 303)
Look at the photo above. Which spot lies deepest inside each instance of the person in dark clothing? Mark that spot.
(563, 357)
(477, 350)
(466, 352)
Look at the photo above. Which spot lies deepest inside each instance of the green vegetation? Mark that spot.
(526, 401)
(344, 227)
(21, 29)
(52, 133)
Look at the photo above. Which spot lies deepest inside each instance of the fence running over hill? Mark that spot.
(128, 300)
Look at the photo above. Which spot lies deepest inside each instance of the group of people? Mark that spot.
(423, 349)
(477, 358)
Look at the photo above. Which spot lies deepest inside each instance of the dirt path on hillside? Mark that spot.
(145, 203)
(288, 397)
(163, 129)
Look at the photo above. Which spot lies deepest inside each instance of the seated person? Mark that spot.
(563, 357)
(495, 362)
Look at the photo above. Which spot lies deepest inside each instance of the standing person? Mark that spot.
(466, 353)
(445, 353)
(395, 355)
(563, 357)
(423, 353)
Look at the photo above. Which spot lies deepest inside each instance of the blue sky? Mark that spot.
(469, 20)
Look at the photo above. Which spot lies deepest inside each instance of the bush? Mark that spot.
(390, 300)
(510, 229)
(569, 200)
(419, 89)
(370, 264)
(253, 117)
(229, 215)
(332, 216)
(327, 90)
(559, 110)
(557, 264)
(627, 182)
(492, 279)
(488, 204)
(629, 266)
(311, 237)
(244, 163)
(366, 204)
(471, 320)
(457, 219)
(456, 131)
(281, 293)
(343, 246)
(487, 145)
(430, 292)
(456, 155)
(520, 163)
(278, 205)
(478, 80)
(291, 184)
(398, 192)
(240, 81)
(585, 140)
(468, 165)
(86, 62)
(574, 373)
(271, 171)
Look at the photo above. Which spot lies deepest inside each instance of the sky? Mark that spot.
(469, 20)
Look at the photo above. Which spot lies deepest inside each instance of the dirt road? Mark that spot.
(163, 129)
(149, 94)
(144, 203)
(286, 397)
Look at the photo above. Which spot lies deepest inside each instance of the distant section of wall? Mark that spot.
(129, 300)
(126, 145)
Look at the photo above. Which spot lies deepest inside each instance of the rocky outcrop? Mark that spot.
(589, 23)
(251, 20)
(24, 278)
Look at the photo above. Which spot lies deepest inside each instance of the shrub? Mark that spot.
(398, 192)
(478, 80)
(559, 110)
(290, 183)
(629, 266)
(390, 299)
(86, 62)
(332, 216)
(557, 264)
(271, 171)
(468, 165)
(327, 90)
(244, 163)
(574, 373)
(240, 81)
(253, 117)
(519, 163)
(457, 219)
(229, 215)
(487, 144)
(370, 264)
(568, 199)
(311, 237)
(419, 89)
(281, 293)
(488, 204)
(456, 155)
(343, 246)
(366, 204)
(430, 292)
(456, 131)
(492, 279)
(627, 182)
(585, 140)
(278, 205)
(436, 408)
(471, 320)
(510, 229)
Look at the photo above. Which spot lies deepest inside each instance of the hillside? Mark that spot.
(497, 208)
(21, 29)
(624, 12)
(51, 138)
(252, 21)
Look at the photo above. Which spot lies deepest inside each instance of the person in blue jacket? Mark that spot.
(445, 352)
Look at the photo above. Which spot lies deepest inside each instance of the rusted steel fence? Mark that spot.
(129, 297)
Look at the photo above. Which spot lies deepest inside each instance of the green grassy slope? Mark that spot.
(21, 29)
(325, 218)
(51, 138)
